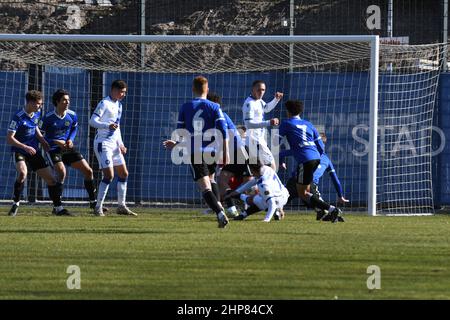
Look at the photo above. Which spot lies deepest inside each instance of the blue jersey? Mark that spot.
(238, 153)
(303, 138)
(198, 116)
(59, 128)
(24, 127)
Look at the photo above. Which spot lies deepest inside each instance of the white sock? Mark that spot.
(331, 208)
(220, 215)
(244, 197)
(232, 209)
(101, 194)
(59, 208)
(121, 192)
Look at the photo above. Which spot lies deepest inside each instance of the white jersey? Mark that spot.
(253, 111)
(270, 185)
(107, 112)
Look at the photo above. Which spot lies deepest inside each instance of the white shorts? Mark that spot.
(261, 151)
(263, 205)
(108, 154)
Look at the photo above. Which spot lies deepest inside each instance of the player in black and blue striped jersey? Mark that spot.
(24, 137)
(60, 128)
(307, 148)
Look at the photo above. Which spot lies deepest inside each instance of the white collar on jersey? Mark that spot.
(29, 115)
(61, 117)
(296, 117)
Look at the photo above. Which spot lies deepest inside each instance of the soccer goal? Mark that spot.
(373, 102)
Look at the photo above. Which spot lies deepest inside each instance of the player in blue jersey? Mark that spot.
(238, 166)
(24, 137)
(60, 128)
(307, 148)
(198, 119)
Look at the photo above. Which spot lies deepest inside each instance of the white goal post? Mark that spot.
(315, 48)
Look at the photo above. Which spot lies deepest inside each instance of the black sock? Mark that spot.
(55, 194)
(90, 188)
(230, 201)
(291, 185)
(211, 200)
(18, 187)
(252, 209)
(317, 203)
(215, 190)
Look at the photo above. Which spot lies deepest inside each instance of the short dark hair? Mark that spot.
(295, 107)
(255, 164)
(58, 95)
(257, 82)
(119, 84)
(198, 84)
(33, 95)
(214, 97)
(242, 127)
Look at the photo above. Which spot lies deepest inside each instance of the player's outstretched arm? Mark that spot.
(272, 104)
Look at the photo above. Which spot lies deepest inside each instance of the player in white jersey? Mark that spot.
(109, 148)
(253, 111)
(272, 195)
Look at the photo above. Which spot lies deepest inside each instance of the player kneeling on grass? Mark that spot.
(60, 127)
(272, 194)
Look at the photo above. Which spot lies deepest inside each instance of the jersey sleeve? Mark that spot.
(96, 115)
(318, 140)
(335, 179)
(14, 124)
(181, 122)
(271, 105)
(221, 123)
(74, 128)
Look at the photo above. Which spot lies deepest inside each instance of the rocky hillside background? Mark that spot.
(218, 17)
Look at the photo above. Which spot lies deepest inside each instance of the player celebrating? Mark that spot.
(60, 128)
(253, 111)
(307, 148)
(197, 117)
(23, 136)
(109, 148)
(272, 194)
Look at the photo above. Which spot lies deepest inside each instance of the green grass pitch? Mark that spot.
(181, 254)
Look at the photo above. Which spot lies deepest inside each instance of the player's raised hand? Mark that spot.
(278, 95)
(169, 144)
(343, 200)
(274, 122)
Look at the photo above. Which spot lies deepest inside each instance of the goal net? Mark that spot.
(332, 75)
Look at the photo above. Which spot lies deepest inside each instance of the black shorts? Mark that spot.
(200, 170)
(305, 171)
(67, 157)
(239, 170)
(35, 162)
